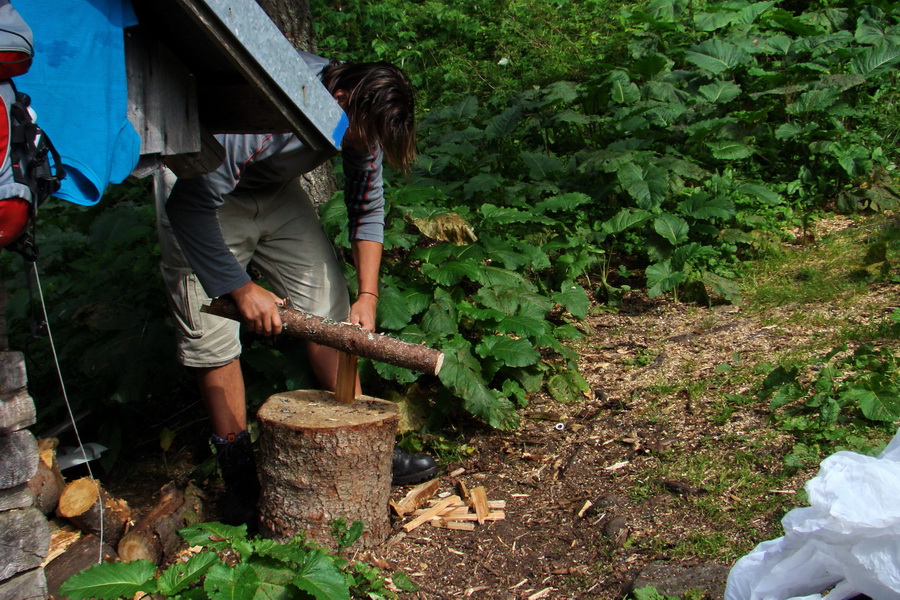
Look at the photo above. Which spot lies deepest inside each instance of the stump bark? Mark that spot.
(321, 460)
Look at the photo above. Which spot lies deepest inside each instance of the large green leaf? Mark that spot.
(512, 352)
(319, 576)
(462, 374)
(622, 89)
(180, 576)
(562, 202)
(440, 318)
(625, 219)
(523, 326)
(483, 182)
(231, 583)
(540, 166)
(500, 215)
(702, 206)
(452, 272)
(730, 150)
(503, 124)
(393, 309)
(646, 185)
(875, 60)
(111, 580)
(573, 298)
(720, 91)
(567, 386)
(661, 278)
(879, 402)
(716, 56)
(671, 227)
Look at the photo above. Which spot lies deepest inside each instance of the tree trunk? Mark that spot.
(24, 541)
(321, 460)
(155, 536)
(80, 504)
(293, 19)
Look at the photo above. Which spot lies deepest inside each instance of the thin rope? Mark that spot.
(62, 385)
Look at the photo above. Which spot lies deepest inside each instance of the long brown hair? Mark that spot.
(380, 107)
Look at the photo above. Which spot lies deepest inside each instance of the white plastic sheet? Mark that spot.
(846, 543)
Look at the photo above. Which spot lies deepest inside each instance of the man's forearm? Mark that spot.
(367, 258)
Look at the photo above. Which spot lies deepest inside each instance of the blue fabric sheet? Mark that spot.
(79, 91)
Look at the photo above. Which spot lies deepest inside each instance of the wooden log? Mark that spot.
(155, 536)
(16, 497)
(321, 460)
(12, 372)
(16, 410)
(18, 458)
(31, 585)
(82, 554)
(48, 483)
(62, 536)
(24, 541)
(345, 337)
(80, 504)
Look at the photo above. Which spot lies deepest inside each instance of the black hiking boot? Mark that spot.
(235, 458)
(411, 467)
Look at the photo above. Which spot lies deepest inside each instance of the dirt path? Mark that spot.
(592, 503)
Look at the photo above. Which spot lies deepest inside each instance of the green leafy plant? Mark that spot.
(836, 401)
(230, 565)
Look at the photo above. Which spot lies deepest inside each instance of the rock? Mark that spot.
(674, 579)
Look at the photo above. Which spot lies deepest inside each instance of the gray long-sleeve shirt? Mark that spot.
(253, 162)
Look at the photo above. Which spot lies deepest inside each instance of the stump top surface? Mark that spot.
(317, 409)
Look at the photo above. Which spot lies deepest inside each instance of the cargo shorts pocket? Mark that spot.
(185, 296)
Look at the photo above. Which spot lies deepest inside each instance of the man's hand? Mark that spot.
(259, 308)
(362, 312)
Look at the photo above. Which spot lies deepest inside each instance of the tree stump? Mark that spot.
(321, 460)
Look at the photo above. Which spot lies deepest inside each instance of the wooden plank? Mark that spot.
(18, 458)
(62, 536)
(16, 410)
(431, 512)
(20, 496)
(480, 503)
(12, 372)
(162, 97)
(457, 525)
(24, 541)
(31, 585)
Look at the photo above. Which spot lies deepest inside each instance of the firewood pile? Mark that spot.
(461, 511)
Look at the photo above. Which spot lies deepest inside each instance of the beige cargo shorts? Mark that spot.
(279, 231)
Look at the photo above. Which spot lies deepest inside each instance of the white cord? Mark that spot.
(62, 385)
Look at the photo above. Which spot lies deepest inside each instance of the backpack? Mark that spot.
(30, 169)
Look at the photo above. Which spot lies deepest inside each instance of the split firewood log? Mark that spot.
(155, 536)
(85, 552)
(80, 504)
(48, 483)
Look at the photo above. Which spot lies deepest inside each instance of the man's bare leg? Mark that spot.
(222, 390)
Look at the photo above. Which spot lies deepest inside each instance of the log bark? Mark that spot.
(80, 504)
(345, 337)
(16, 497)
(155, 536)
(320, 460)
(12, 372)
(16, 410)
(18, 458)
(48, 483)
(24, 541)
(31, 585)
(82, 554)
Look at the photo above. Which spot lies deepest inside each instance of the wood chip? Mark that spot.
(458, 525)
(457, 472)
(617, 466)
(541, 594)
(431, 512)
(416, 497)
(480, 503)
